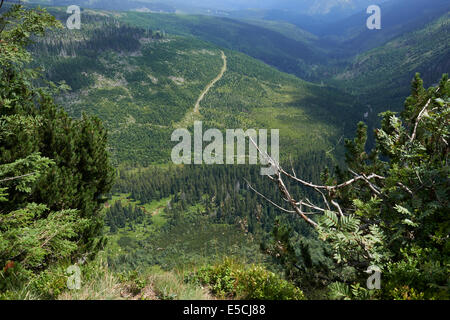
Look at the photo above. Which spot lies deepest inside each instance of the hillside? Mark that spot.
(346, 55)
(143, 84)
(291, 53)
(93, 207)
(381, 76)
(397, 18)
(155, 6)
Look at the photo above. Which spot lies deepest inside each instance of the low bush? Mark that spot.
(231, 279)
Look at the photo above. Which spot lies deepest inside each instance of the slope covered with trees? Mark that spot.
(144, 87)
(290, 53)
(344, 54)
(379, 76)
(177, 229)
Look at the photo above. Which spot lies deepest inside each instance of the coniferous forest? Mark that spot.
(93, 207)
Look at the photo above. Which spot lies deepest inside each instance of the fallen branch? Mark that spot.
(268, 200)
(330, 188)
(19, 177)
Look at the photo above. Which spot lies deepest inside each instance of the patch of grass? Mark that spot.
(98, 282)
(171, 286)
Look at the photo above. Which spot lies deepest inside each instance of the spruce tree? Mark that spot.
(54, 170)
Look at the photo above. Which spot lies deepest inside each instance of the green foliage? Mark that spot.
(135, 281)
(349, 243)
(208, 213)
(145, 87)
(342, 291)
(387, 211)
(49, 284)
(53, 170)
(231, 279)
(399, 220)
(257, 283)
(406, 293)
(37, 237)
(295, 55)
(171, 286)
(419, 271)
(220, 278)
(183, 245)
(119, 216)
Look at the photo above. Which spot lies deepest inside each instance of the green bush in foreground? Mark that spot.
(234, 280)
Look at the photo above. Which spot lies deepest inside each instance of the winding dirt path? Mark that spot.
(212, 83)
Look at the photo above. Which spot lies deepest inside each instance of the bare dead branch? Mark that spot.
(302, 203)
(269, 159)
(334, 203)
(292, 167)
(16, 178)
(401, 185)
(324, 198)
(268, 200)
(330, 188)
(419, 117)
(309, 204)
(292, 201)
(373, 187)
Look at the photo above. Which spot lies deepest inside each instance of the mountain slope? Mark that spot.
(397, 17)
(143, 84)
(381, 76)
(281, 50)
(118, 5)
(378, 77)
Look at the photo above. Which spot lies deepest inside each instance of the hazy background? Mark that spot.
(336, 8)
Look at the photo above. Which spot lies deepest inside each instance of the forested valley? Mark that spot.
(87, 181)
